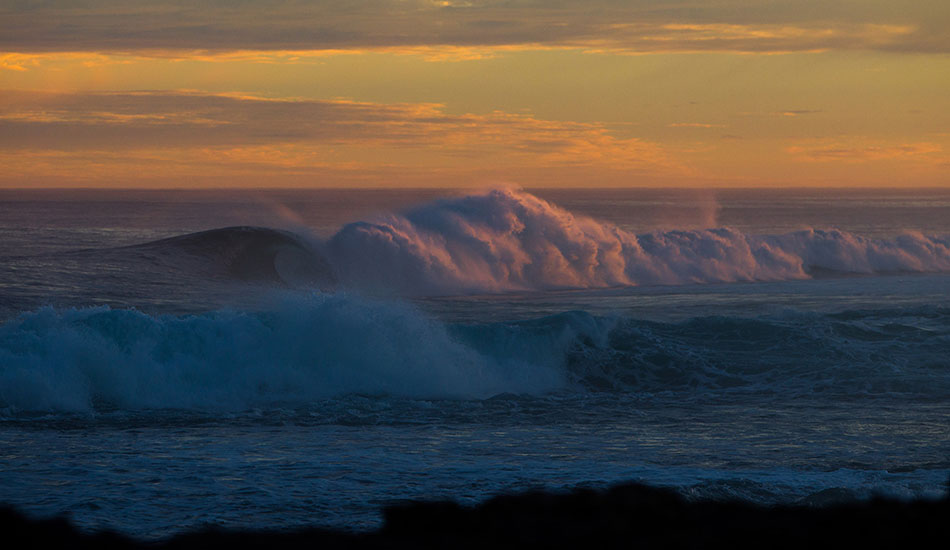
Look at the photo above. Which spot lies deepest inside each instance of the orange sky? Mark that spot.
(418, 93)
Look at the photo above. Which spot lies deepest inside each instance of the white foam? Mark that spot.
(506, 240)
(308, 349)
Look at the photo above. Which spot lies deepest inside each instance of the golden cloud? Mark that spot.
(457, 30)
(862, 152)
(175, 131)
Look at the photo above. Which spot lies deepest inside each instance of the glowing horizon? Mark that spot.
(460, 94)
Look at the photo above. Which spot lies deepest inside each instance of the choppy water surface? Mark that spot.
(303, 358)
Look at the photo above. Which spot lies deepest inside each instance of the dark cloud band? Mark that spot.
(633, 25)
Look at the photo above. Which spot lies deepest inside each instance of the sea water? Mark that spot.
(251, 359)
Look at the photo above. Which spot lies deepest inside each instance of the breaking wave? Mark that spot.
(506, 240)
(334, 345)
(244, 253)
(79, 359)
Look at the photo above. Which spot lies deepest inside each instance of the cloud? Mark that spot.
(843, 152)
(118, 120)
(747, 38)
(27, 61)
(695, 125)
(162, 27)
(177, 131)
(798, 112)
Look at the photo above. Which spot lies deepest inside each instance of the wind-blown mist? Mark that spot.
(312, 348)
(506, 240)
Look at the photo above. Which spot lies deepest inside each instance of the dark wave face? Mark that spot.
(244, 253)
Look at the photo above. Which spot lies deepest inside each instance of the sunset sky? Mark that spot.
(410, 93)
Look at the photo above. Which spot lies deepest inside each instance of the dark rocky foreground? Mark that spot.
(625, 516)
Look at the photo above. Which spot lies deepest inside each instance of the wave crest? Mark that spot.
(244, 253)
(506, 240)
(333, 345)
(325, 346)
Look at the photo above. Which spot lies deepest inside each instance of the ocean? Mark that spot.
(278, 359)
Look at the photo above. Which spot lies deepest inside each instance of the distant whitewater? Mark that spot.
(505, 240)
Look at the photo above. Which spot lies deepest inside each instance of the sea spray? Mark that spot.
(316, 347)
(506, 240)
